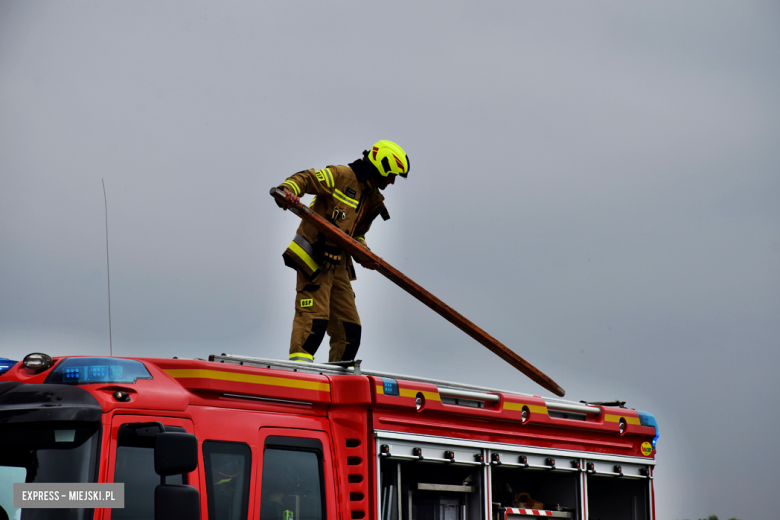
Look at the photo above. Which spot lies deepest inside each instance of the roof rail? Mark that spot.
(340, 367)
(354, 368)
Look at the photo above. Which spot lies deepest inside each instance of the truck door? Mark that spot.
(296, 475)
(619, 491)
(131, 461)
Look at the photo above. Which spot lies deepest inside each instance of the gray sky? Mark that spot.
(595, 184)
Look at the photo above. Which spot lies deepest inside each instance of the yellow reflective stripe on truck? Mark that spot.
(434, 396)
(202, 373)
(616, 418)
(408, 392)
(533, 408)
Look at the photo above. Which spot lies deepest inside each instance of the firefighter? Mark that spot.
(350, 198)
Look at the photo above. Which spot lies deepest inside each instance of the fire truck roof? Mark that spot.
(241, 382)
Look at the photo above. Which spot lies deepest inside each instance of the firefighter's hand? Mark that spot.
(292, 197)
(369, 264)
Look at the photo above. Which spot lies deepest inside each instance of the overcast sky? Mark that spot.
(595, 184)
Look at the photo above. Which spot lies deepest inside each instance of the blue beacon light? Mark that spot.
(647, 419)
(94, 370)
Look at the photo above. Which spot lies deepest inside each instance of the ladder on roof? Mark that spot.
(446, 388)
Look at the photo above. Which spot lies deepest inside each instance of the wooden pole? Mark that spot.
(358, 251)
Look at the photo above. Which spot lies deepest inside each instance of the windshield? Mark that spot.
(46, 452)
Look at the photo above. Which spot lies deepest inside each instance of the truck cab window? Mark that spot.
(135, 468)
(46, 452)
(292, 480)
(228, 466)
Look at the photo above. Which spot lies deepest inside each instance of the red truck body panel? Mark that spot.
(347, 413)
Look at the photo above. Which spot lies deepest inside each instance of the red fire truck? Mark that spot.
(236, 438)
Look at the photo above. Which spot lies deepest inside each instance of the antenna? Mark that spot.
(108, 271)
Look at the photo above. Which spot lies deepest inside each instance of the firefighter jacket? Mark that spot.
(350, 204)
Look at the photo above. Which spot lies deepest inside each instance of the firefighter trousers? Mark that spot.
(326, 304)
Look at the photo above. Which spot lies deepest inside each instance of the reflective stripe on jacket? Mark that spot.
(300, 254)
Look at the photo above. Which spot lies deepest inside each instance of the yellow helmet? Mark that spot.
(389, 158)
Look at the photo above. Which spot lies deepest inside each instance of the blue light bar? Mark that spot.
(95, 370)
(6, 364)
(390, 386)
(647, 419)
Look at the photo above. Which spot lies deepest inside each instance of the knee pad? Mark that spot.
(352, 332)
(318, 328)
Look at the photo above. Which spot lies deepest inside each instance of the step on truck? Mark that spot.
(238, 438)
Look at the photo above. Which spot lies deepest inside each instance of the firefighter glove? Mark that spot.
(284, 189)
(331, 256)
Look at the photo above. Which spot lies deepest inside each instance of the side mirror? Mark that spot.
(175, 453)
